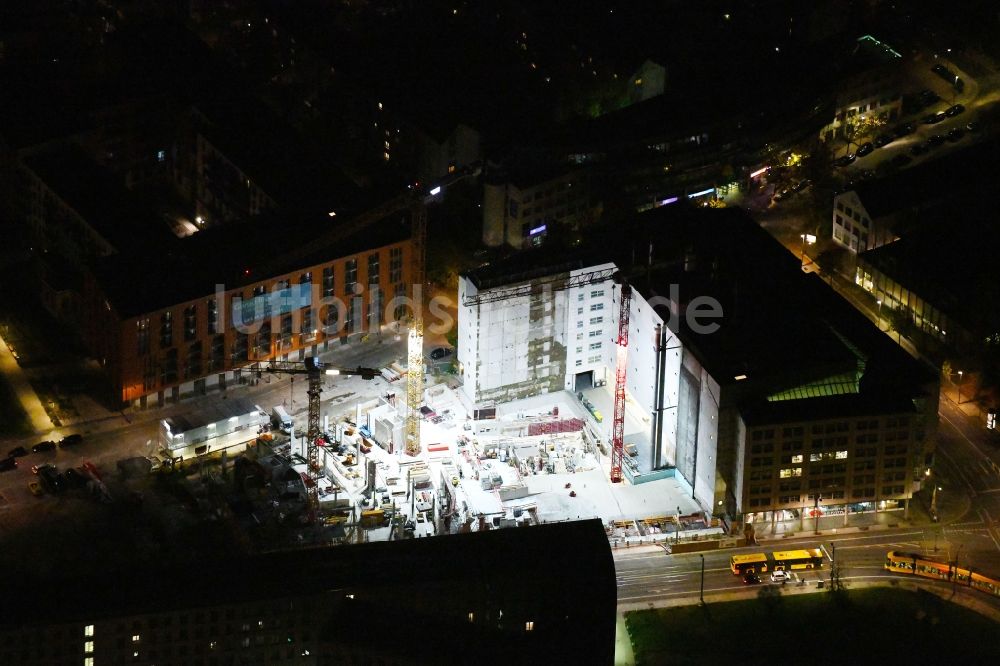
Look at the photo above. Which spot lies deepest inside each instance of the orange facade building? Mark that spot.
(202, 321)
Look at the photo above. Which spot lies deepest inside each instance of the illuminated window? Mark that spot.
(385, 156)
(797, 458)
(529, 625)
(451, 168)
(386, 144)
(472, 616)
(88, 647)
(841, 455)
(88, 630)
(789, 472)
(88, 661)
(135, 638)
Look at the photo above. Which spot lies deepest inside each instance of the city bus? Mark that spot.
(920, 565)
(786, 560)
(756, 562)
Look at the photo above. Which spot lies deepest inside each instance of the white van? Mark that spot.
(281, 419)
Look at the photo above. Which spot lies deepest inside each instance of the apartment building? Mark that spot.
(839, 457)
(245, 611)
(165, 325)
(521, 212)
(871, 87)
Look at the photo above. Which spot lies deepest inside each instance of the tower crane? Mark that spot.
(415, 340)
(621, 366)
(314, 369)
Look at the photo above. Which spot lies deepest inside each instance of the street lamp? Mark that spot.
(880, 314)
(960, 387)
(701, 592)
(807, 239)
(816, 511)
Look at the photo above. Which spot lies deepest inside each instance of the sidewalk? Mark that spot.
(623, 643)
(975, 601)
(40, 421)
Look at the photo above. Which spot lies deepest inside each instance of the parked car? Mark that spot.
(954, 110)
(865, 149)
(918, 149)
(972, 126)
(439, 353)
(956, 134)
(70, 440)
(17, 452)
(751, 578)
(51, 479)
(935, 141)
(901, 160)
(7, 464)
(883, 140)
(845, 160)
(928, 97)
(74, 478)
(35, 488)
(904, 130)
(43, 446)
(780, 576)
(935, 118)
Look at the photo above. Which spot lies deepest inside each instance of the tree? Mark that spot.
(829, 261)
(861, 127)
(900, 321)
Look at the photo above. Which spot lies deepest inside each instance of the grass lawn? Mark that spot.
(13, 421)
(874, 625)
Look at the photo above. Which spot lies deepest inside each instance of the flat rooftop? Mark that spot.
(950, 261)
(421, 591)
(211, 412)
(954, 176)
(232, 255)
(118, 215)
(780, 327)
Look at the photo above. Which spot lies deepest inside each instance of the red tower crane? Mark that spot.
(621, 365)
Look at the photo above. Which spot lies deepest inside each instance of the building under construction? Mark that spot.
(727, 343)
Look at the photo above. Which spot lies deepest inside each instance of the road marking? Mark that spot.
(823, 548)
(878, 536)
(988, 519)
(959, 471)
(964, 436)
